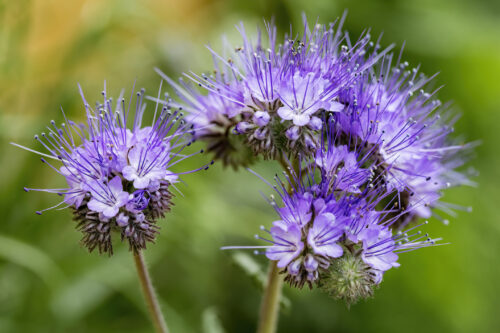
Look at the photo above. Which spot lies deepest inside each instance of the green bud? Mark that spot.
(230, 148)
(348, 278)
(279, 139)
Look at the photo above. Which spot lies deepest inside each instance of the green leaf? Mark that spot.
(252, 269)
(211, 322)
(31, 258)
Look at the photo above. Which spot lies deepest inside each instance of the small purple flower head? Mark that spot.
(273, 94)
(408, 130)
(371, 238)
(214, 120)
(335, 240)
(343, 163)
(117, 170)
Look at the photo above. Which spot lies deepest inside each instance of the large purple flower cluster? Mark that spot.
(268, 98)
(366, 140)
(117, 170)
(338, 227)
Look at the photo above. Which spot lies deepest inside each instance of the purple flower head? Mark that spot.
(378, 245)
(335, 221)
(409, 132)
(272, 94)
(313, 219)
(305, 239)
(117, 170)
(366, 145)
(345, 165)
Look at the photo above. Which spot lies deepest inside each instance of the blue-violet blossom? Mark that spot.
(117, 169)
(273, 94)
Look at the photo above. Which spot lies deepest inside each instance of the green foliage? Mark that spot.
(48, 283)
(254, 271)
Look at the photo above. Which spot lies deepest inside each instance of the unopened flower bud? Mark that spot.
(348, 278)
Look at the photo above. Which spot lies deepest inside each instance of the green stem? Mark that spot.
(149, 294)
(269, 308)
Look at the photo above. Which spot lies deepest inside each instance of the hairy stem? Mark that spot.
(149, 294)
(269, 308)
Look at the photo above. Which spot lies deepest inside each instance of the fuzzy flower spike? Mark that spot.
(117, 169)
(270, 95)
(334, 229)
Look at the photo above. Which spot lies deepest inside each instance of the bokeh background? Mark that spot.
(49, 283)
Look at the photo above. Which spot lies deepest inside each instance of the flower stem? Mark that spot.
(149, 294)
(269, 308)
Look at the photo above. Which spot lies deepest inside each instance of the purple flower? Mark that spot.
(342, 166)
(118, 178)
(408, 130)
(287, 243)
(305, 238)
(324, 234)
(107, 198)
(145, 165)
(302, 96)
(379, 245)
(335, 221)
(297, 211)
(273, 93)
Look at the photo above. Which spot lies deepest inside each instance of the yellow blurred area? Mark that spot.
(49, 44)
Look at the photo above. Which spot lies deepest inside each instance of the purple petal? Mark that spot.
(141, 182)
(122, 199)
(286, 113)
(336, 107)
(96, 205)
(129, 173)
(134, 156)
(331, 250)
(115, 185)
(110, 211)
(301, 119)
(377, 263)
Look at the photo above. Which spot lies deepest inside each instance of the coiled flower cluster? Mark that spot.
(273, 94)
(366, 139)
(337, 223)
(118, 177)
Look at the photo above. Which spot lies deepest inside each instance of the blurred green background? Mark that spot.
(48, 283)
